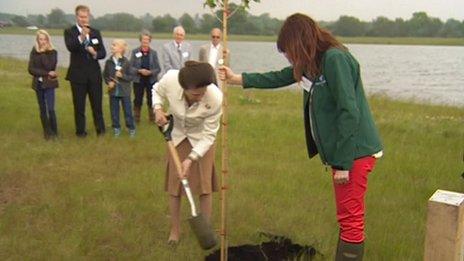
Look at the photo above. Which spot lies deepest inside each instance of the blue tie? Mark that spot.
(86, 42)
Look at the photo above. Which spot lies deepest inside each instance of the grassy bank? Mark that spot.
(263, 38)
(102, 198)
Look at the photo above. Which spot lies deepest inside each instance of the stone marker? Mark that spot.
(444, 239)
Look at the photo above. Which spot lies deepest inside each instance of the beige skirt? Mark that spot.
(202, 177)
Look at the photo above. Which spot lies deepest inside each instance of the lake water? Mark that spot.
(429, 74)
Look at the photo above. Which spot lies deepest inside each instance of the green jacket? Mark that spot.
(338, 122)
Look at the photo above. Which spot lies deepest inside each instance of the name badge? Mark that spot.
(118, 67)
(95, 41)
(306, 84)
(185, 54)
(138, 55)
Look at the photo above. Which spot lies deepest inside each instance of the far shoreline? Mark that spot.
(371, 95)
(264, 38)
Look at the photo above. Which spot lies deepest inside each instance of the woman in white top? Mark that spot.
(195, 103)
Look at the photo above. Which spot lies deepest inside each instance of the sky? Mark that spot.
(322, 10)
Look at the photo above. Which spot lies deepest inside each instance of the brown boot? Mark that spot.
(151, 115)
(137, 114)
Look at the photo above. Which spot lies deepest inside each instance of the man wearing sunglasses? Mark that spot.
(211, 53)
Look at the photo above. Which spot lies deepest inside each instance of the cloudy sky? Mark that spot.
(327, 10)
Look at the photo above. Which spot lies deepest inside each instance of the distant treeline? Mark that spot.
(419, 25)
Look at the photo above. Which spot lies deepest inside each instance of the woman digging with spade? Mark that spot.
(338, 122)
(195, 104)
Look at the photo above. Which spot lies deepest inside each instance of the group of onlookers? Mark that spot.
(136, 73)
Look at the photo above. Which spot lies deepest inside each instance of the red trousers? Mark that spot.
(349, 199)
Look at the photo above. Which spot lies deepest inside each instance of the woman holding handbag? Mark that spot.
(42, 66)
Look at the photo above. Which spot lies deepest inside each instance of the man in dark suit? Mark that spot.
(84, 73)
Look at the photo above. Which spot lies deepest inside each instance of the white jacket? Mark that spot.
(198, 123)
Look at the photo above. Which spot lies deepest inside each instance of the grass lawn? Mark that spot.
(267, 38)
(103, 198)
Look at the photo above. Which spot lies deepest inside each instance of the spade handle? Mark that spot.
(185, 184)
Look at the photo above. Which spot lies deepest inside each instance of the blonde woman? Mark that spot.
(118, 77)
(42, 66)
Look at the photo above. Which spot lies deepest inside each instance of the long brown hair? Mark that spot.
(303, 42)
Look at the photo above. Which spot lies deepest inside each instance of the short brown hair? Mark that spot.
(81, 8)
(196, 75)
(304, 43)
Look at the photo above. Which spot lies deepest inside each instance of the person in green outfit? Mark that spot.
(338, 122)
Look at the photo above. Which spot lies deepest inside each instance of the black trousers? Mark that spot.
(139, 89)
(93, 87)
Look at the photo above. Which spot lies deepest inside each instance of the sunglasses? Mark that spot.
(215, 37)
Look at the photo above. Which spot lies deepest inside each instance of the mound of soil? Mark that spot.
(277, 248)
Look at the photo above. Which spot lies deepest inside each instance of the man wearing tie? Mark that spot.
(213, 52)
(86, 47)
(177, 52)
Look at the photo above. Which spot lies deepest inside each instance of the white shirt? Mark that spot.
(80, 31)
(213, 55)
(178, 45)
(115, 60)
(199, 122)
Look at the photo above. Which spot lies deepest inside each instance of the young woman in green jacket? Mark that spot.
(338, 122)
